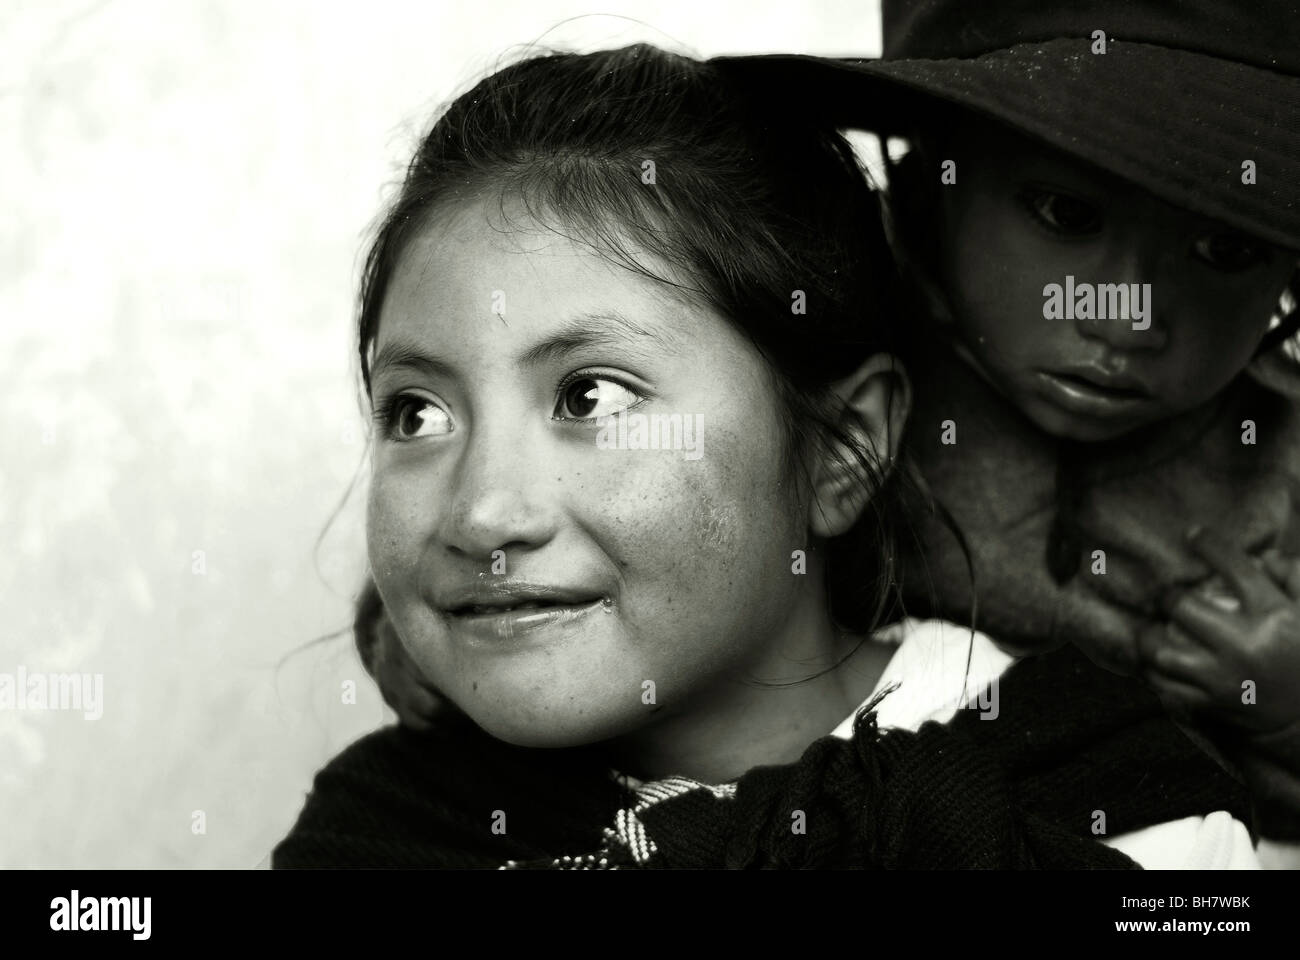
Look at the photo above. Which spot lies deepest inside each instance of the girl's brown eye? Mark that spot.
(409, 417)
(433, 420)
(1229, 252)
(1063, 214)
(587, 398)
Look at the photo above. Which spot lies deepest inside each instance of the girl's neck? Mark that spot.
(766, 718)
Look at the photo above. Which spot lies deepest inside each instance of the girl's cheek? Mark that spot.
(656, 511)
(729, 508)
(714, 525)
(393, 525)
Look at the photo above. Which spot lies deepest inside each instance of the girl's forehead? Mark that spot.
(472, 287)
(483, 261)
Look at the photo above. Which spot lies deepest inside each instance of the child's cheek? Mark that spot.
(996, 304)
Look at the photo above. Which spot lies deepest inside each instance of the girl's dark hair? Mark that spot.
(759, 210)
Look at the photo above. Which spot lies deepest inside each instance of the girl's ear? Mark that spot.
(873, 405)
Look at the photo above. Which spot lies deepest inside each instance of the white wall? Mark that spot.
(186, 187)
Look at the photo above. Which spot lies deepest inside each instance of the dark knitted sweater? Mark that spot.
(1019, 791)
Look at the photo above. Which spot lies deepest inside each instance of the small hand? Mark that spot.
(1233, 653)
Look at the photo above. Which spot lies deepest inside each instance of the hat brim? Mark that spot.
(1176, 123)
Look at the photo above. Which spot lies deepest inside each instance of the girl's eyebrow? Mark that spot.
(400, 353)
(610, 329)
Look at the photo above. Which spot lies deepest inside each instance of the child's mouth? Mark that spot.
(1094, 395)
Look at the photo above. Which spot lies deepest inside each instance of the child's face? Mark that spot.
(1021, 216)
(690, 549)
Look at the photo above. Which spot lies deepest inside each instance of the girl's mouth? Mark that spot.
(478, 609)
(527, 619)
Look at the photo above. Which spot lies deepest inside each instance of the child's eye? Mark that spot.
(587, 397)
(1062, 213)
(1229, 252)
(394, 417)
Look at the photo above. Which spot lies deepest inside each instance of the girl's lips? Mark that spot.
(525, 622)
(1080, 396)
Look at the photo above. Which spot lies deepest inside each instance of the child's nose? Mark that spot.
(496, 498)
(1124, 333)
(1129, 296)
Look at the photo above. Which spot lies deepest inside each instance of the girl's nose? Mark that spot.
(497, 498)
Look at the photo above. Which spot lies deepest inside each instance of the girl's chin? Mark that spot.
(552, 729)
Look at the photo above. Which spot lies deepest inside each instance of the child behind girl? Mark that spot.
(588, 237)
(1125, 469)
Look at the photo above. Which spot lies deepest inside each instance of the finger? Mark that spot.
(1253, 587)
(413, 719)
(1150, 636)
(1182, 660)
(1278, 567)
(415, 707)
(1156, 635)
(1167, 649)
(1206, 621)
(396, 704)
(1216, 591)
(423, 700)
(1285, 572)
(403, 660)
(1176, 696)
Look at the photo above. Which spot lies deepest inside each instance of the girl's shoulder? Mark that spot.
(450, 796)
(938, 667)
(1180, 810)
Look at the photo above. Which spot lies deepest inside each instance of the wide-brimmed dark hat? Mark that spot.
(1185, 92)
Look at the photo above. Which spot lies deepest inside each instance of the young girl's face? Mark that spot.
(1022, 216)
(659, 574)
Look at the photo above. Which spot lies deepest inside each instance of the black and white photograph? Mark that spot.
(731, 436)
